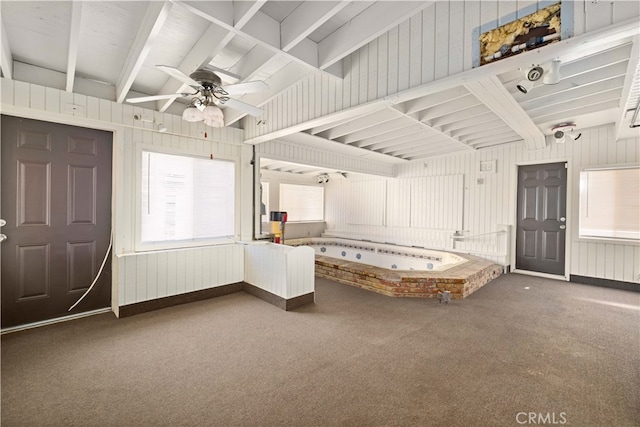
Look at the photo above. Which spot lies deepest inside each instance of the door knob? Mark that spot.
(562, 227)
(3, 222)
(563, 219)
(3, 237)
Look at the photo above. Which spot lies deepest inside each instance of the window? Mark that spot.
(185, 199)
(610, 203)
(302, 202)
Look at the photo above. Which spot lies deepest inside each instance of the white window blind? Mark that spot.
(302, 202)
(186, 198)
(610, 203)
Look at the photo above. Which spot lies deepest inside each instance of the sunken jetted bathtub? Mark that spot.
(399, 271)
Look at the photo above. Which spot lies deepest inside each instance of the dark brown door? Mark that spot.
(541, 225)
(56, 200)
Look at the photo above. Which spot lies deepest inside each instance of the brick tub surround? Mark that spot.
(460, 280)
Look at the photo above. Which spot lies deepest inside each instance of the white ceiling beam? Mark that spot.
(244, 10)
(579, 110)
(490, 134)
(250, 64)
(464, 124)
(409, 145)
(371, 23)
(455, 106)
(632, 75)
(371, 131)
(264, 28)
(448, 95)
(305, 19)
(353, 112)
(212, 42)
(261, 29)
(154, 18)
(486, 126)
(358, 124)
(74, 42)
(486, 142)
(306, 51)
(6, 59)
(389, 139)
(569, 83)
(320, 129)
(432, 153)
(576, 92)
(425, 148)
(495, 96)
(441, 122)
(433, 130)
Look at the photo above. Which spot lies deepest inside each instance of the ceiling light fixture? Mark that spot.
(533, 74)
(561, 131)
(553, 76)
(204, 108)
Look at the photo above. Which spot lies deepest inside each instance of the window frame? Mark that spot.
(138, 244)
(600, 239)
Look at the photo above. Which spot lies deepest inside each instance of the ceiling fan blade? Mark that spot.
(248, 87)
(219, 71)
(156, 97)
(178, 75)
(243, 106)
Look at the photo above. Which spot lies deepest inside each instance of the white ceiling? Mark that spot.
(109, 49)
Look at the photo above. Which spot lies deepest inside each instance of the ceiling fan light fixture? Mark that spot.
(552, 76)
(192, 114)
(213, 113)
(214, 123)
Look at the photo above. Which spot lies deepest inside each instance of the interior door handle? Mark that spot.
(3, 237)
(562, 227)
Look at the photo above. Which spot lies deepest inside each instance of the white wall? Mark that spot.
(137, 277)
(490, 205)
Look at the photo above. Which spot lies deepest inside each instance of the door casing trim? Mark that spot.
(570, 218)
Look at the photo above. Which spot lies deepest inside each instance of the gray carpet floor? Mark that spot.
(520, 347)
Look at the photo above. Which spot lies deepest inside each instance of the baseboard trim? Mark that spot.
(218, 291)
(605, 283)
(170, 301)
(278, 301)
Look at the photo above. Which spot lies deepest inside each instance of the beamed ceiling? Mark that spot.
(110, 49)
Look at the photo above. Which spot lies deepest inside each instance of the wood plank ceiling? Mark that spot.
(110, 49)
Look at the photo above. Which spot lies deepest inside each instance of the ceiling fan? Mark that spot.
(210, 93)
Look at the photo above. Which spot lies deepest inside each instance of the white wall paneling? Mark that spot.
(285, 271)
(426, 209)
(150, 275)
